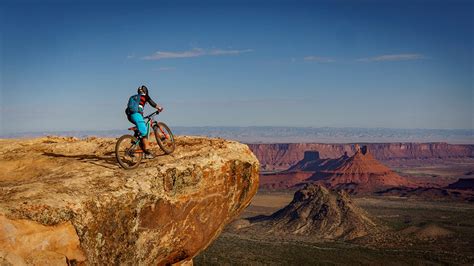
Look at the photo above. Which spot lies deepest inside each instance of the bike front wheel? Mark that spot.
(164, 137)
(128, 152)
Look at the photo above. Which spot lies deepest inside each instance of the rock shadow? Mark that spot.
(107, 160)
(258, 218)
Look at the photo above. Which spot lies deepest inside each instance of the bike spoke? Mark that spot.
(127, 152)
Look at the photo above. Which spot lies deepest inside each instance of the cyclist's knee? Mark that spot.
(142, 130)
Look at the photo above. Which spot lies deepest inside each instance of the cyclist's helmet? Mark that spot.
(142, 89)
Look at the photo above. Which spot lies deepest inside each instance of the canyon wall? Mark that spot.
(282, 156)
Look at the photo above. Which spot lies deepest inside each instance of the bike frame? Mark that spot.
(149, 123)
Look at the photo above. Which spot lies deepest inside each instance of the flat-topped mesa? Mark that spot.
(312, 162)
(311, 155)
(64, 200)
(462, 183)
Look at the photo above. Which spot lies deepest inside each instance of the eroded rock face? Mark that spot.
(315, 212)
(72, 195)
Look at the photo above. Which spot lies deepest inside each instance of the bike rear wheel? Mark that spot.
(164, 137)
(128, 152)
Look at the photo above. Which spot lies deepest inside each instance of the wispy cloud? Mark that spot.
(392, 57)
(181, 54)
(228, 52)
(195, 52)
(165, 69)
(319, 59)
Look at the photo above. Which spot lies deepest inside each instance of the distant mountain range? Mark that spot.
(295, 134)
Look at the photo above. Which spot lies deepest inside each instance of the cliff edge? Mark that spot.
(66, 201)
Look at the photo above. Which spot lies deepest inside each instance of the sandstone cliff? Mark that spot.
(283, 156)
(64, 200)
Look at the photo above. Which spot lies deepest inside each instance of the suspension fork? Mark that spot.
(150, 124)
(148, 127)
(161, 130)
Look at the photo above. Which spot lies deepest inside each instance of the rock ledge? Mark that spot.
(64, 200)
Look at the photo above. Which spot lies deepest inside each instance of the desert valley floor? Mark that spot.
(416, 230)
(394, 247)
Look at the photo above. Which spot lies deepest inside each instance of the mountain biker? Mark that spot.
(134, 113)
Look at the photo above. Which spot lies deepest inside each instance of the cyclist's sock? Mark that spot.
(149, 156)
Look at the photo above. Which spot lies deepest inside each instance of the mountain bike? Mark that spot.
(128, 150)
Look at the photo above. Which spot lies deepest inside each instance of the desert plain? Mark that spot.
(426, 225)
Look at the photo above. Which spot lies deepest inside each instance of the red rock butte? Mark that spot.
(362, 173)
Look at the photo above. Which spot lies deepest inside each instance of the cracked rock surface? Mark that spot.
(65, 200)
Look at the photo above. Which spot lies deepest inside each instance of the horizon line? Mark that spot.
(266, 126)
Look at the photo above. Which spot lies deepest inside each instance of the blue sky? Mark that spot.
(71, 65)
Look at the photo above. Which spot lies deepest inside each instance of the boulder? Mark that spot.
(66, 201)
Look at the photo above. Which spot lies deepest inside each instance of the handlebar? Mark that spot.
(152, 114)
